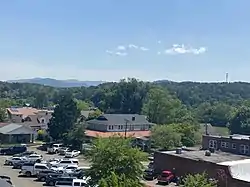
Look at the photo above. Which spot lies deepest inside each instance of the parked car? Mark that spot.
(41, 176)
(31, 169)
(166, 177)
(12, 160)
(72, 153)
(66, 169)
(63, 150)
(13, 150)
(44, 146)
(149, 174)
(53, 178)
(64, 181)
(54, 148)
(25, 154)
(35, 157)
(73, 183)
(66, 162)
(19, 164)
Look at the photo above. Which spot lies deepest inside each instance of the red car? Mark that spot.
(166, 177)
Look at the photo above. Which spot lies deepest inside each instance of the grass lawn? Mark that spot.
(223, 131)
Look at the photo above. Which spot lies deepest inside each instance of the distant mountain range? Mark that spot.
(58, 83)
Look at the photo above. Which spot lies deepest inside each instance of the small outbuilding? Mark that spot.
(16, 133)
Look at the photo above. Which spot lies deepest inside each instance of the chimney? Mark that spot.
(133, 118)
(178, 151)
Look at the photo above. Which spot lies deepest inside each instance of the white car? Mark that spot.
(54, 148)
(71, 154)
(74, 183)
(12, 160)
(35, 157)
(65, 162)
(65, 169)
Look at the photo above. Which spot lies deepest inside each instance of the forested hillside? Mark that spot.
(207, 102)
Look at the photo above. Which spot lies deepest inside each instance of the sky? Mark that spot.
(179, 40)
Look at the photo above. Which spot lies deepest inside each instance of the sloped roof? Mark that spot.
(120, 119)
(15, 129)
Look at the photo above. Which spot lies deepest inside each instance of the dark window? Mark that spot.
(77, 183)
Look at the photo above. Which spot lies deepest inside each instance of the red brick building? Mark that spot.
(196, 162)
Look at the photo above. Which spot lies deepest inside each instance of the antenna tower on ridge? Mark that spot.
(227, 78)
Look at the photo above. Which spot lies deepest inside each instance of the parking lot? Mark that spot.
(30, 182)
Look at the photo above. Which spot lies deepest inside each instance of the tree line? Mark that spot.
(164, 102)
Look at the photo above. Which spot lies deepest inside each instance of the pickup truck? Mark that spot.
(32, 169)
(165, 177)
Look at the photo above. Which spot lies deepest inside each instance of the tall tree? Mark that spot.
(41, 99)
(76, 136)
(3, 115)
(160, 106)
(64, 117)
(240, 123)
(115, 155)
(165, 137)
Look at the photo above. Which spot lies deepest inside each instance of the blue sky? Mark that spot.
(109, 39)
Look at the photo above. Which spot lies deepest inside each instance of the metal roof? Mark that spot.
(8, 129)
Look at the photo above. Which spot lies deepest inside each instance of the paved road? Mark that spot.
(29, 182)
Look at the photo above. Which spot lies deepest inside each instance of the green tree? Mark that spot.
(41, 99)
(116, 181)
(3, 115)
(115, 155)
(165, 137)
(160, 106)
(190, 133)
(82, 105)
(198, 180)
(76, 136)
(95, 114)
(64, 117)
(240, 123)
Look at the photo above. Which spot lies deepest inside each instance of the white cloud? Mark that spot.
(109, 52)
(182, 49)
(121, 48)
(121, 54)
(144, 49)
(132, 46)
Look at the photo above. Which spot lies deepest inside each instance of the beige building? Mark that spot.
(32, 117)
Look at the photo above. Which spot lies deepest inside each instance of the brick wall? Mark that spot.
(185, 166)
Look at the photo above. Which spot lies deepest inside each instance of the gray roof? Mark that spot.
(14, 128)
(216, 157)
(120, 119)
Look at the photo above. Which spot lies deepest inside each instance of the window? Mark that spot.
(111, 127)
(213, 144)
(244, 149)
(77, 183)
(66, 162)
(225, 144)
(233, 145)
(41, 167)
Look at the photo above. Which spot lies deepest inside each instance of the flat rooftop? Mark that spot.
(216, 157)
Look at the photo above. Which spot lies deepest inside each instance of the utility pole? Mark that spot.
(126, 126)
